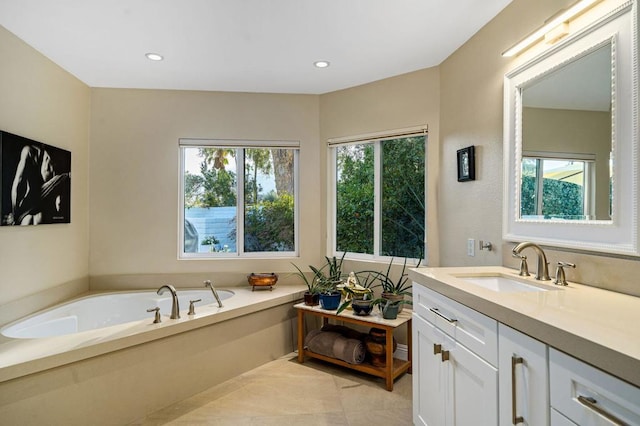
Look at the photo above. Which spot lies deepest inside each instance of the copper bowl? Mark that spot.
(262, 279)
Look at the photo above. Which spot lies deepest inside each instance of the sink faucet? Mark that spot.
(175, 305)
(542, 273)
(207, 283)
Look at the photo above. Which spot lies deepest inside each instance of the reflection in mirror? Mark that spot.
(566, 141)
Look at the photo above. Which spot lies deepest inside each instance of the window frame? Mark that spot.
(240, 146)
(588, 194)
(376, 139)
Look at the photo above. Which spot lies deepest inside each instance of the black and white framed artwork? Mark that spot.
(35, 182)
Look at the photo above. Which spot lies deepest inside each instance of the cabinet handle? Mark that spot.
(591, 403)
(437, 349)
(435, 311)
(445, 356)
(515, 419)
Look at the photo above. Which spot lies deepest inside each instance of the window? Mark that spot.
(558, 188)
(379, 197)
(238, 199)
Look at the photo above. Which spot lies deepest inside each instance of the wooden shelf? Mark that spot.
(389, 372)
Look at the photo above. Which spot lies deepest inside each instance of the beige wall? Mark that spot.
(134, 176)
(471, 111)
(43, 102)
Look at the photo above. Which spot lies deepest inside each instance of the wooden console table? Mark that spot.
(391, 369)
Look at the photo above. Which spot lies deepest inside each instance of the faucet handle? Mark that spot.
(524, 268)
(192, 309)
(156, 319)
(561, 278)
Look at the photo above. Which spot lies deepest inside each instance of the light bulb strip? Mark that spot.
(538, 34)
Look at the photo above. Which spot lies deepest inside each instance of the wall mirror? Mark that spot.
(570, 147)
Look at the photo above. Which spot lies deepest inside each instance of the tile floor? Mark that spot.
(283, 393)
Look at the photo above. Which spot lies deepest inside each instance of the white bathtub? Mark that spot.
(105, 310)
(118, 373)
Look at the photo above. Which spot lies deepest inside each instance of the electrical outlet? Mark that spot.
(471, 247)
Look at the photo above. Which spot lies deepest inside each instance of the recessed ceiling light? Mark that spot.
(154, 56)
(321, 64)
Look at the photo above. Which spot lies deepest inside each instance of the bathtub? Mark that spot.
(56, 371)
(105, 310)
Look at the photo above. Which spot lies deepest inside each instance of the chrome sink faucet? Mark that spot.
(542, 273)
(175, 305)
(207, 283)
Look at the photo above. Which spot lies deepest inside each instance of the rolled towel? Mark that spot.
(345, 331)
(335, 345)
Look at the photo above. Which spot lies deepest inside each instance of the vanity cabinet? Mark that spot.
(524, 379)
(455, 379)
(586, 396)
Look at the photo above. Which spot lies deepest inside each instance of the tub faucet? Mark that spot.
(175, 305)
(542, 273)
(207, 283)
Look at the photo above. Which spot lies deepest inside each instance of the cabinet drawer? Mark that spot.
(587, 396)
(474, 330)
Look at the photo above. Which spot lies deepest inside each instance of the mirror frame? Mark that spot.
(620, 234)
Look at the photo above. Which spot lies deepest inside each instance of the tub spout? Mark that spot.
(175, 305)
(207, 283)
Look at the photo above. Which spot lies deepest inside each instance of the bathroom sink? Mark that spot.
(502, 284)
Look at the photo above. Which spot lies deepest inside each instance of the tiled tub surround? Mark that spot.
(116, 374)
(597, 326)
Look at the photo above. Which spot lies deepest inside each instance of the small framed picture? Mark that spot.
(466, 164)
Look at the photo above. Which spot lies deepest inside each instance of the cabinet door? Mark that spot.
(474, 389)
(523, 362)
(429, 378)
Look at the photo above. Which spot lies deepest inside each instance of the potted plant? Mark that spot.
(358, 290)
(330, 276)
(390, 308)
(314, 287)
(395, 291)
(322, 287)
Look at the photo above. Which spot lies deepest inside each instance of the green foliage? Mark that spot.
(268, 226)
(401, 286)
(403, 170)
(560, 199)
(355, 198)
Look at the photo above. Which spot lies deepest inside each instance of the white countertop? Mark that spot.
(597, 326)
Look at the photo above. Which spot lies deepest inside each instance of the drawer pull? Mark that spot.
(445, 356)
(515, 419)
(437, 349)
(435, 311)
(591, 403)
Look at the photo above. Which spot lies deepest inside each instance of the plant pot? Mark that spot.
(361, 307)
(376, 345)
(390, 311)
(394, 298)
(311, 299)
(331, 301)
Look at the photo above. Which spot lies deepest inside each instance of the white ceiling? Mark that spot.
(245, 45)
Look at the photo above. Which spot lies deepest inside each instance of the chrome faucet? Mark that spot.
(207, 283)
(175, 305)
(542, 273)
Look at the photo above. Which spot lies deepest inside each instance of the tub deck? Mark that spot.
(21, 357)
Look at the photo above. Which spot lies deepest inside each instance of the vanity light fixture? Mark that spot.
(556, 25)
(154, 56)
(321, 64)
